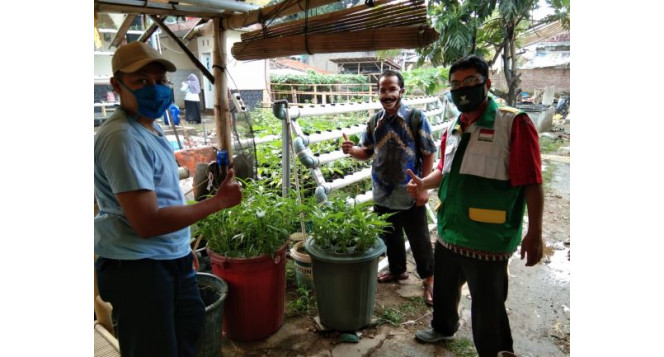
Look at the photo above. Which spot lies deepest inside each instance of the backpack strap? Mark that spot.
(415, 120)
(414, 123)
(374, 120)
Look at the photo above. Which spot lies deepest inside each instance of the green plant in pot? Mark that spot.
(247, 249)
(344, 248)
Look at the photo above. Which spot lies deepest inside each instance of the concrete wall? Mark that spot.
(536, 79)
(103, 64)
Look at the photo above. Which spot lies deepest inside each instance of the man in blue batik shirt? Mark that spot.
(395, 148)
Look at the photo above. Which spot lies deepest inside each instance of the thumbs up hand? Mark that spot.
(416, 189)
(414, 185)
(346, 145)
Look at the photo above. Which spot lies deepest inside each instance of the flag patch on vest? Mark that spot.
(486, 135)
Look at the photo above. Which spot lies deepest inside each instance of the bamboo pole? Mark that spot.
(285, 8)
(363, 40)
(221, 106)
(160, 9)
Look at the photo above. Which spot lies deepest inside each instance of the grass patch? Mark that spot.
(550, 145)
(547, 175)
(462, 347)
(413, 308)
(302, 305)
(390, 316)
(290, 273)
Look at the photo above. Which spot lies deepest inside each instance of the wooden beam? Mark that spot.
(284, 8)
(191, 56)
(146, 35)
(175, 10)
(122, 31)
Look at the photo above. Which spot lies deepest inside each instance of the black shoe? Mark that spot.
(431, 336)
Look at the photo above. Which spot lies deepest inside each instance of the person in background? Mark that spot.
(396, 145)
(192, 107)
(141, 233)
(172, 109)
(490, 171)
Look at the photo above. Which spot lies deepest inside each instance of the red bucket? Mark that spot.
(254, 307)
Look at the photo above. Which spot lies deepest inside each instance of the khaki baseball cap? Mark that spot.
(133, 56)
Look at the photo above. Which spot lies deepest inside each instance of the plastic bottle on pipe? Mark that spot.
(222, 163)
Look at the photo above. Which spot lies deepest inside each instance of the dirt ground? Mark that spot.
(538, 300)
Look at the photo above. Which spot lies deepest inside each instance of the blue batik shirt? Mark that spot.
(394, 149)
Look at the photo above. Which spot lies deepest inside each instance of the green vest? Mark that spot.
(479, 208)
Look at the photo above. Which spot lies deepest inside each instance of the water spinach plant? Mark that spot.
(259, 225)
(346, 228)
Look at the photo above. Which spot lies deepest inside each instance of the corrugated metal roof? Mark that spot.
(280, 63)
(542, 33)
(363, 59)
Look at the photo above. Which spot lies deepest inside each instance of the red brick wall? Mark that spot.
(532, 79)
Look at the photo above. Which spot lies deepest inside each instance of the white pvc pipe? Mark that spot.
(364, 197)
(335, 134)
(321, 109)
(350, 179)
(333, 156)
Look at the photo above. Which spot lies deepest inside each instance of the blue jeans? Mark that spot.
(156, 304)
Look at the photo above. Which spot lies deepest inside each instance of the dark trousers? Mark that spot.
(487, 282)
(414, 222)
(156, 303)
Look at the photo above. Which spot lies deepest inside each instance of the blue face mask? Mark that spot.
(152, 100)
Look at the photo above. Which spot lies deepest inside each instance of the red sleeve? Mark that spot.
(525, 160)
(442, 152)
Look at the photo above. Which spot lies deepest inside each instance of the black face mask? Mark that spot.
(468, 99)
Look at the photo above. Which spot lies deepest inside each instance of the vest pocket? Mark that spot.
(487, 215)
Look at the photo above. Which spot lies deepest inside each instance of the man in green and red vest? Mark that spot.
(489, 172)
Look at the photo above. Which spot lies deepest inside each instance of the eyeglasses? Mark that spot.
(467, 82)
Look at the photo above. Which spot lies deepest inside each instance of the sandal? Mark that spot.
(387, 277)
(428, 292)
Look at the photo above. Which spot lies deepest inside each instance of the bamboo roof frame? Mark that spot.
(225, 15)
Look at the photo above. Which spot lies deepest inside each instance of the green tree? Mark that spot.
(428, 80)
(560, 12)
(487, 29)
